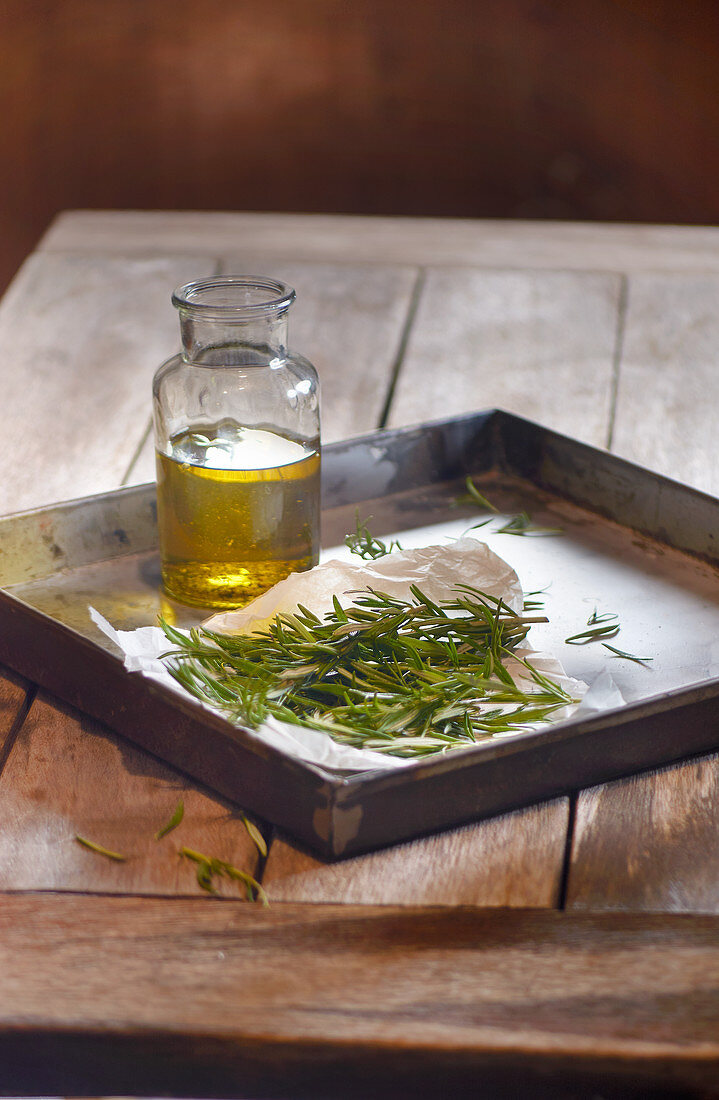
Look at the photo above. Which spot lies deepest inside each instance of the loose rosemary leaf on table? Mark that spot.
(208, 868)
(118, 857)
(173, 822)
(255, 835)
(408, 677)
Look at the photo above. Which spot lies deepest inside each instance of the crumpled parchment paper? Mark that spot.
(437, 570)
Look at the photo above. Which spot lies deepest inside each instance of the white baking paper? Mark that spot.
(437, 570)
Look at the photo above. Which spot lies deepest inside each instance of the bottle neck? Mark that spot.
(255, 342)
(233, 320)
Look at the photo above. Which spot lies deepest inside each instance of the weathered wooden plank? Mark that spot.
(668, 395)
(82, 337)
(221, 999)
(68, 775)
(338, 238)
(13, 700)
(540, 344)
(512, 860)
(650, 842)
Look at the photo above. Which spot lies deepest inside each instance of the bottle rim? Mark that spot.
(233, 297)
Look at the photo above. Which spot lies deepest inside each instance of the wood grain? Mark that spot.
(337, 238)
(226, 999)
(84, 336)
(540, 344)
(666, 411)
(512, 860)
(650, 842)
(68, 775)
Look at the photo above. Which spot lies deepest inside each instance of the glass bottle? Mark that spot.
(237, 441)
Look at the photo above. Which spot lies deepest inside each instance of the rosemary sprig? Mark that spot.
(173, 822)
(365, 545)
(99, 850)
(402, 676)
(209, 867)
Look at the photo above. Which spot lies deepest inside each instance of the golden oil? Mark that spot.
(237, 510)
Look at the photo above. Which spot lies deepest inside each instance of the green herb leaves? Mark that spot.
(407, 677)
(520, 524)
(209, 868)
(365, 545)
(600, 626)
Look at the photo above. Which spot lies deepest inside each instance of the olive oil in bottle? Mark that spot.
(237, 512)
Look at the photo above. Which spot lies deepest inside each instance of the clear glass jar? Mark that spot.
(237, 441)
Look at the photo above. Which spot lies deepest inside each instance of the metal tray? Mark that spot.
(633, 542)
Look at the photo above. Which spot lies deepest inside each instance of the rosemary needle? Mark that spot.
(98, 848)
(473, 496)
(626, 656)
(604, 617)
(593, 633)
(173, 822)
(255, 835)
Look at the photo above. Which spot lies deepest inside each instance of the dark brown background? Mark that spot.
(594, 109)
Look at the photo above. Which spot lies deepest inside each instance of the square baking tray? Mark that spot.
(632, 542)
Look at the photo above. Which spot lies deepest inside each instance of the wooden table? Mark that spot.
(568, 949)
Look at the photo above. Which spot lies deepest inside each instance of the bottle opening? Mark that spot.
(233, 297)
